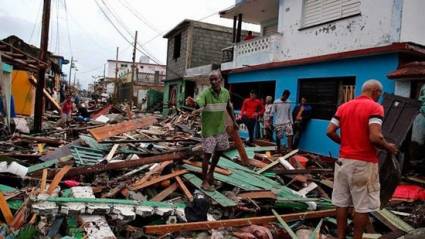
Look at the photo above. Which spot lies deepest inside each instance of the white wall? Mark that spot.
(378, 24)
(413, 21)
(143, 68)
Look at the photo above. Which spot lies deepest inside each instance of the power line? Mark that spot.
(138, 15)
(36, 21)
(67, 27)
(57, 28)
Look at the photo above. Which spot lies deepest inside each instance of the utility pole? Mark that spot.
(70, 68)
(38, 108)
(133, 68)
(116, 75)
(75, 76)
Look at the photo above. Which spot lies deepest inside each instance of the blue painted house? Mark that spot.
(324, 51)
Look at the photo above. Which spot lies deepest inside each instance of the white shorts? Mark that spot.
(356, 184)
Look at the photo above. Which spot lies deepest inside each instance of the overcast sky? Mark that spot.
(82, 31)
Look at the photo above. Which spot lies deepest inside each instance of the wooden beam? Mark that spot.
(108, 131)
(156, 170)
(183, 187)
(43, 180)
(269, 166)
(5, 210)
(239, 222)
(112, 152)
(164, 193)
(234, 134)
(47, 95)
(126, 164)
(157, 180)
(285, 225)
(57, 179)
(266, 194)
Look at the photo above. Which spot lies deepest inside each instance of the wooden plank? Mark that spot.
(108, 131)
(215, 195)
(57, 179)
(126, 164)
(183, 187)
(157, 180)
(164, 193)
(285, 225)
(239, 222)
(234, 134)
(155, 170)
(43, 180)
(258, 195)
(269, 166)
(5, 210)
(47, 95)
(112, 152)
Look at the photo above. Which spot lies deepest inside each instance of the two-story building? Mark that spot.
(325, 50)
(148, 77)
(194, 49)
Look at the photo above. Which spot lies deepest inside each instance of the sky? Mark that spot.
(78, 28)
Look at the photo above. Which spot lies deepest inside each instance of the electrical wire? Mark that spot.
(138, 15)
(36, 20)
(57, 29)
(67, 27)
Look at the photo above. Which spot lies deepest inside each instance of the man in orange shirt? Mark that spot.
(251, 110)
(356, 178)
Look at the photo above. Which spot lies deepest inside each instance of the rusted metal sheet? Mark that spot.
(108, 131)
(103, 111)
(126, 164)
(208, 225)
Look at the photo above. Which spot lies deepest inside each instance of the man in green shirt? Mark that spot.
(214, 102)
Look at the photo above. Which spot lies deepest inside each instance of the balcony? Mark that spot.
(259, 50)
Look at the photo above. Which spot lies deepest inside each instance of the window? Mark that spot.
(177, 45)
(123, 65)
(326, 94)
(321, 11)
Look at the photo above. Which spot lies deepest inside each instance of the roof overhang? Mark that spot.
(411, 71)
(402, 47)
(253, 11)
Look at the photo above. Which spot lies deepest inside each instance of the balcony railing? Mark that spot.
(259, 50)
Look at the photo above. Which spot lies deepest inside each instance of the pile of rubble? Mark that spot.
(123, 175)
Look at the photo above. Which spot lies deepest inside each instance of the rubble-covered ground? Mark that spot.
(125, 174)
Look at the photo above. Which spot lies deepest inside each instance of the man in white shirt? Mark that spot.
(283, 119)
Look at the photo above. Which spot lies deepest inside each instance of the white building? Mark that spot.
(324, 50)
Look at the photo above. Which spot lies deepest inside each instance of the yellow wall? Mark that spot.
(23, 92)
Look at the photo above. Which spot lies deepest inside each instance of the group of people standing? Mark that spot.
(276, 117)
(356, 127)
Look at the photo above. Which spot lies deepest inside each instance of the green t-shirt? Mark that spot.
(214, 111)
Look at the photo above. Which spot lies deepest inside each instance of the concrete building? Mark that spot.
(148, 77)
(194, 49)
(324, 50)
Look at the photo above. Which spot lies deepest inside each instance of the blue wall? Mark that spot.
(314, 138)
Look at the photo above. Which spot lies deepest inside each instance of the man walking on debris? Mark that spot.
(356, 178)
(283, 119)
(213, 101)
